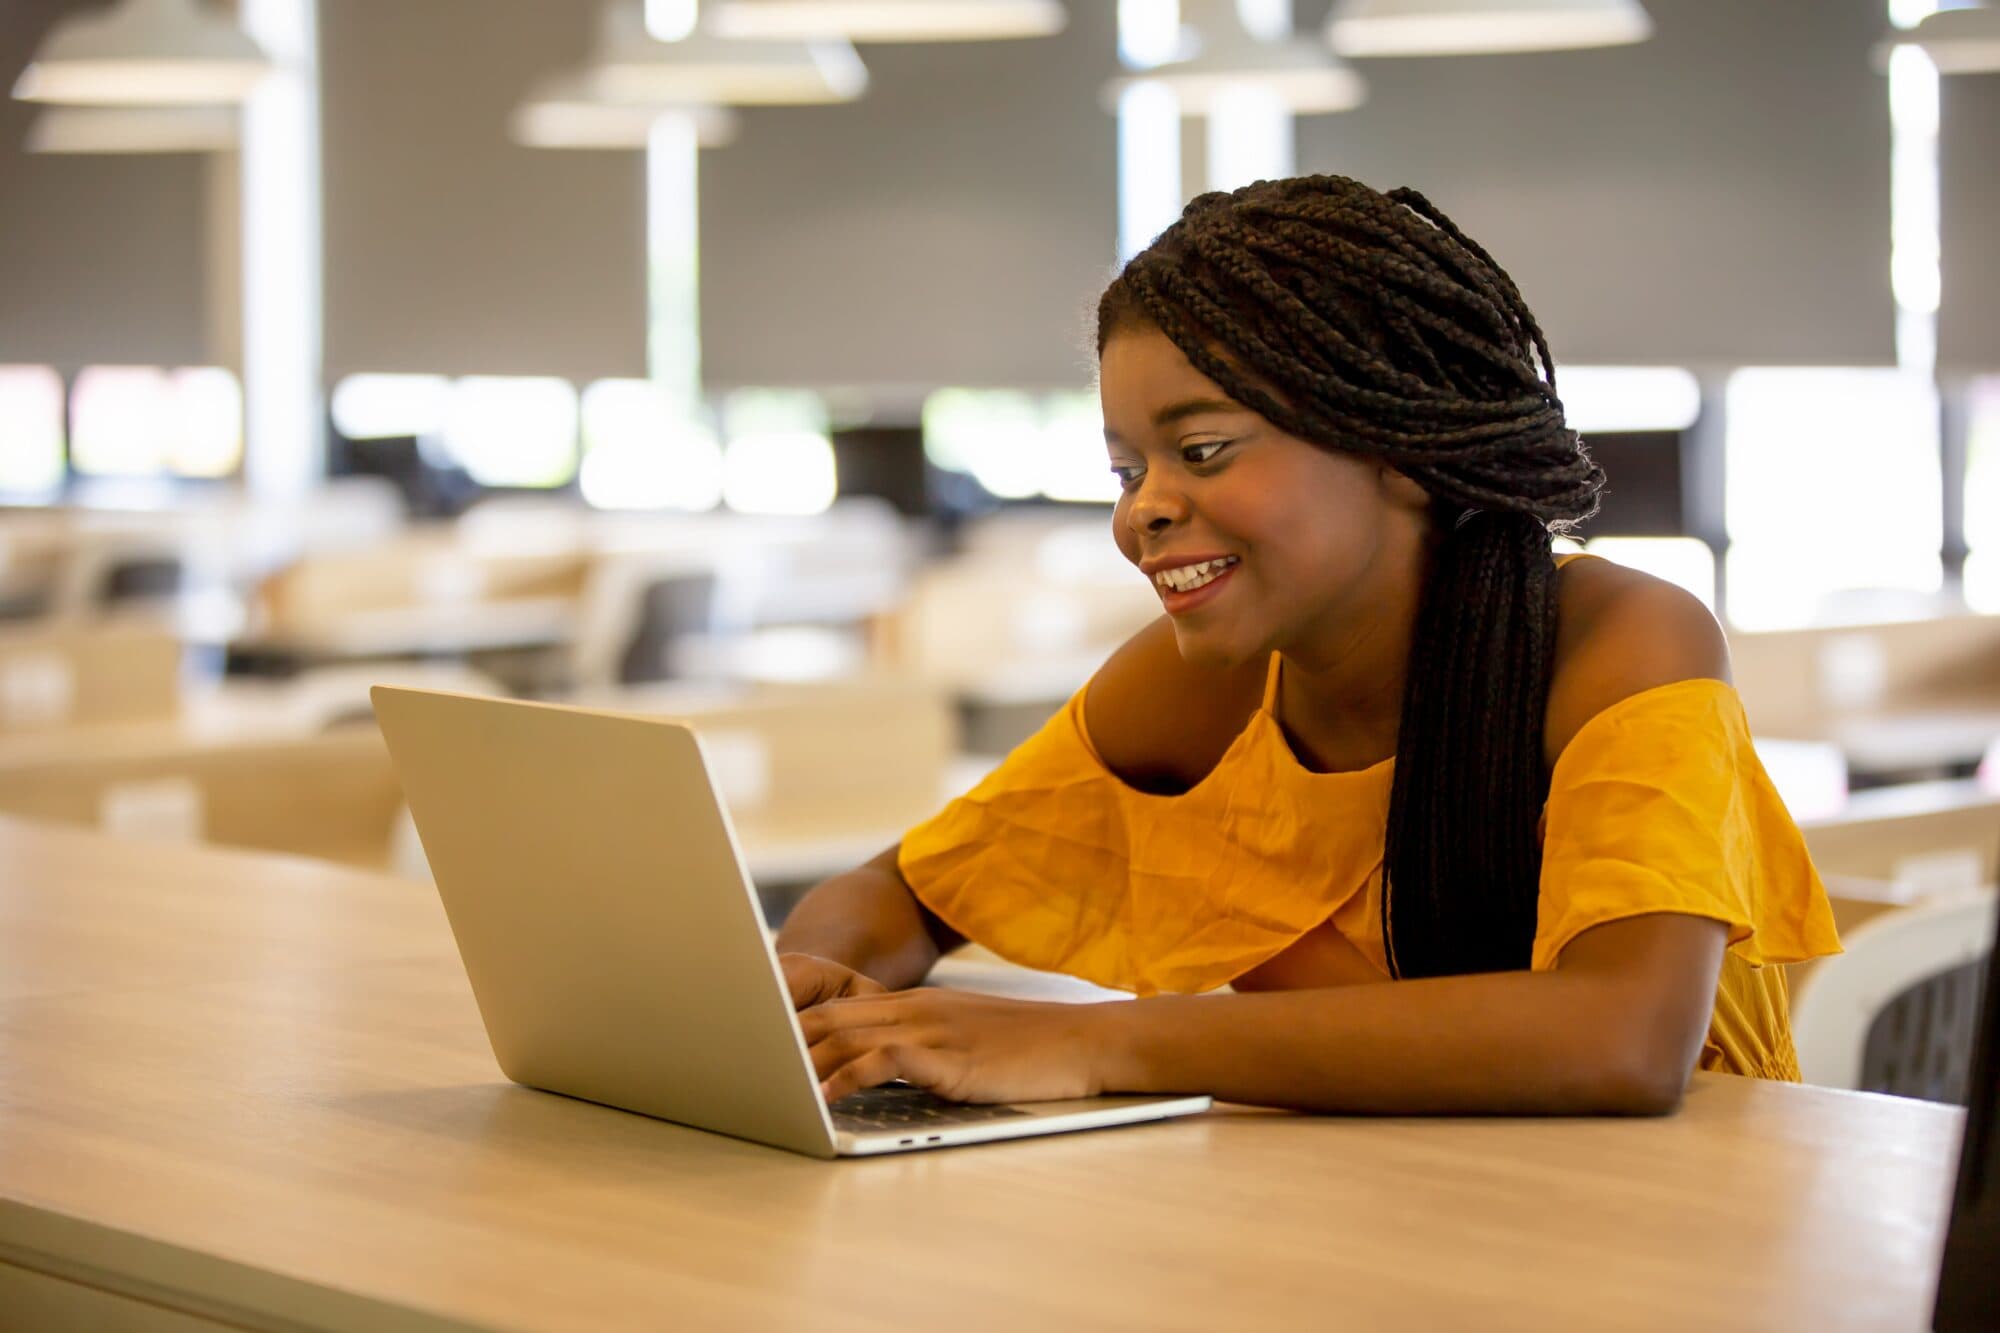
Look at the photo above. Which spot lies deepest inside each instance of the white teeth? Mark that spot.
(1186, 578)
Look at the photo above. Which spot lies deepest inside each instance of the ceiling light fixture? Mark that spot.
(561, 112)
(703, 69)
(144, 52)
(1305, 77)
(887, 20)
(148, 129)
(1360, 28)
(1958, 41)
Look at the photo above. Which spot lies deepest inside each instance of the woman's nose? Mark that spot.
(1156, 507)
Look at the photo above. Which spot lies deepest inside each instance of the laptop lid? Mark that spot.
(613, 940)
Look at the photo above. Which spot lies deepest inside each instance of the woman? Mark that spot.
(1462, 830)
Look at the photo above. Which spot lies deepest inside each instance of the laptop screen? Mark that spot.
(1968, 1296)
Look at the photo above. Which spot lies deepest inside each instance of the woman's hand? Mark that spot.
(962, 1046)
(814, 980)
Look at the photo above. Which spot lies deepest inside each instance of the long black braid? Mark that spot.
(1370, 323)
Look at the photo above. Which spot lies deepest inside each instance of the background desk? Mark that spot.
(255, 1090)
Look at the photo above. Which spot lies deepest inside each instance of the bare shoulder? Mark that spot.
(1621, 632)
(1160, 723)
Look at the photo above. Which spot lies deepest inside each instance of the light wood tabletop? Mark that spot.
(254, 1090)
(449, 628)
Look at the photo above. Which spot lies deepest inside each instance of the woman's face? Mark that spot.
(1255, 541)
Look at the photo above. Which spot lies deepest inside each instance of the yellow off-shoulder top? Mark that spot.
(1658, 804)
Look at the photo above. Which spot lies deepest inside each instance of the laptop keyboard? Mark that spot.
(898, 1106)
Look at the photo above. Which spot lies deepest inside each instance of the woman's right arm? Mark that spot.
(865, 930)
(868, 922)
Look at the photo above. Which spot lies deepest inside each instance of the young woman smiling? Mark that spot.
(1460, 828)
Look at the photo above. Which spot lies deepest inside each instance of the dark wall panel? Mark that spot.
(102, 259)
(1717, 195)
(1969, 165)
(952, 227)
(448, 247)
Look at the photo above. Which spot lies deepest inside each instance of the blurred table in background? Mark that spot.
(1904, 701)
(1921, 835)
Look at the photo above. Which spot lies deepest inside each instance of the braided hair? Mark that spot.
(1371, 324)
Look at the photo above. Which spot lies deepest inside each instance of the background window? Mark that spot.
(779, 458)
(386, 407)
(144, 421)
(206, 437)
(118, 417)
(639, 453)
(1834, 506)
(31, 431)
(1019, 446)
(516, 431)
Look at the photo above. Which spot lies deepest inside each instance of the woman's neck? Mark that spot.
(1340, 695)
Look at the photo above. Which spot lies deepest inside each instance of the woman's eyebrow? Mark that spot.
(1194, 407)
(1190, 407)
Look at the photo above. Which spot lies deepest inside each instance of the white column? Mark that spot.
(1250, 138)
(1915, 244)
(1150, 192)
(1251, 133)
(673, 262)
(1913, 202)
(284, 435)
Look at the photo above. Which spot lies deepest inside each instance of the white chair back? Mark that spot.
(612, 615)
(1884, 958)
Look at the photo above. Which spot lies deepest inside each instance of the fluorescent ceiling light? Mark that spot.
(151, 129)
(144, 52)
(1303, 75)
(702, 68)
(887, 20)
(1958, 41)
(563, 113)
(1482, 27)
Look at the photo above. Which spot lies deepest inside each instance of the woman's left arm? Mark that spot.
(1615, 1028)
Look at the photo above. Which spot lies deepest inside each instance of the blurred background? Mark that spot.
(732, 361)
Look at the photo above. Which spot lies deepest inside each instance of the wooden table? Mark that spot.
(254, 1090)
(1929, 836)
(1915, 745)
(443, 630)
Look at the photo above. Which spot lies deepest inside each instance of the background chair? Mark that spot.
(1896, 1013)
(635, 613)
(72, 675)
(333, 796)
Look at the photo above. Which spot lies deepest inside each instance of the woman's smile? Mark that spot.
(1188, 587)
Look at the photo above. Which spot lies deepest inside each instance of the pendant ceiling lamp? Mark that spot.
(1958, 41)
(144, 52)
(1482, 27)
(703, 69)
(1227, 59)
(886, 20)
(561, 112)
(152, 129)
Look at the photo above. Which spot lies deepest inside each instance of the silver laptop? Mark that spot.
(614, 942)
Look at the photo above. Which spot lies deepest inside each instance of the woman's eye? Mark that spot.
(1128, 476)
(1202, 453)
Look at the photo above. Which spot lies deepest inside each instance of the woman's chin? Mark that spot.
(1210, 647)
